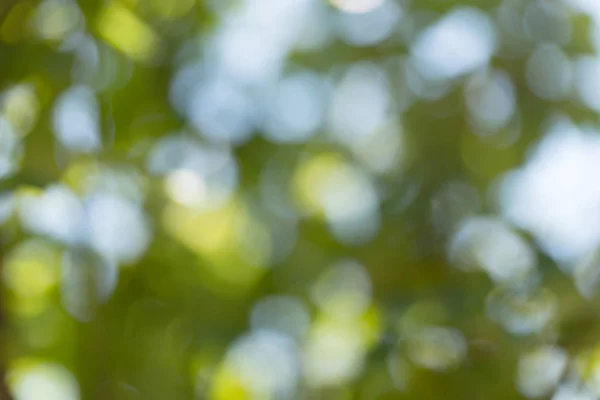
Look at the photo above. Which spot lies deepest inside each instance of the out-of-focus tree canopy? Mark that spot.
(300, 199)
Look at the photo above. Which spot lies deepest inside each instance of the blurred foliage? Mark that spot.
(261, 199)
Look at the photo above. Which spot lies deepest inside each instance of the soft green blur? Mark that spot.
(269, 199)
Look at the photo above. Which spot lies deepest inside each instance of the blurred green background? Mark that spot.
(300, 199)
